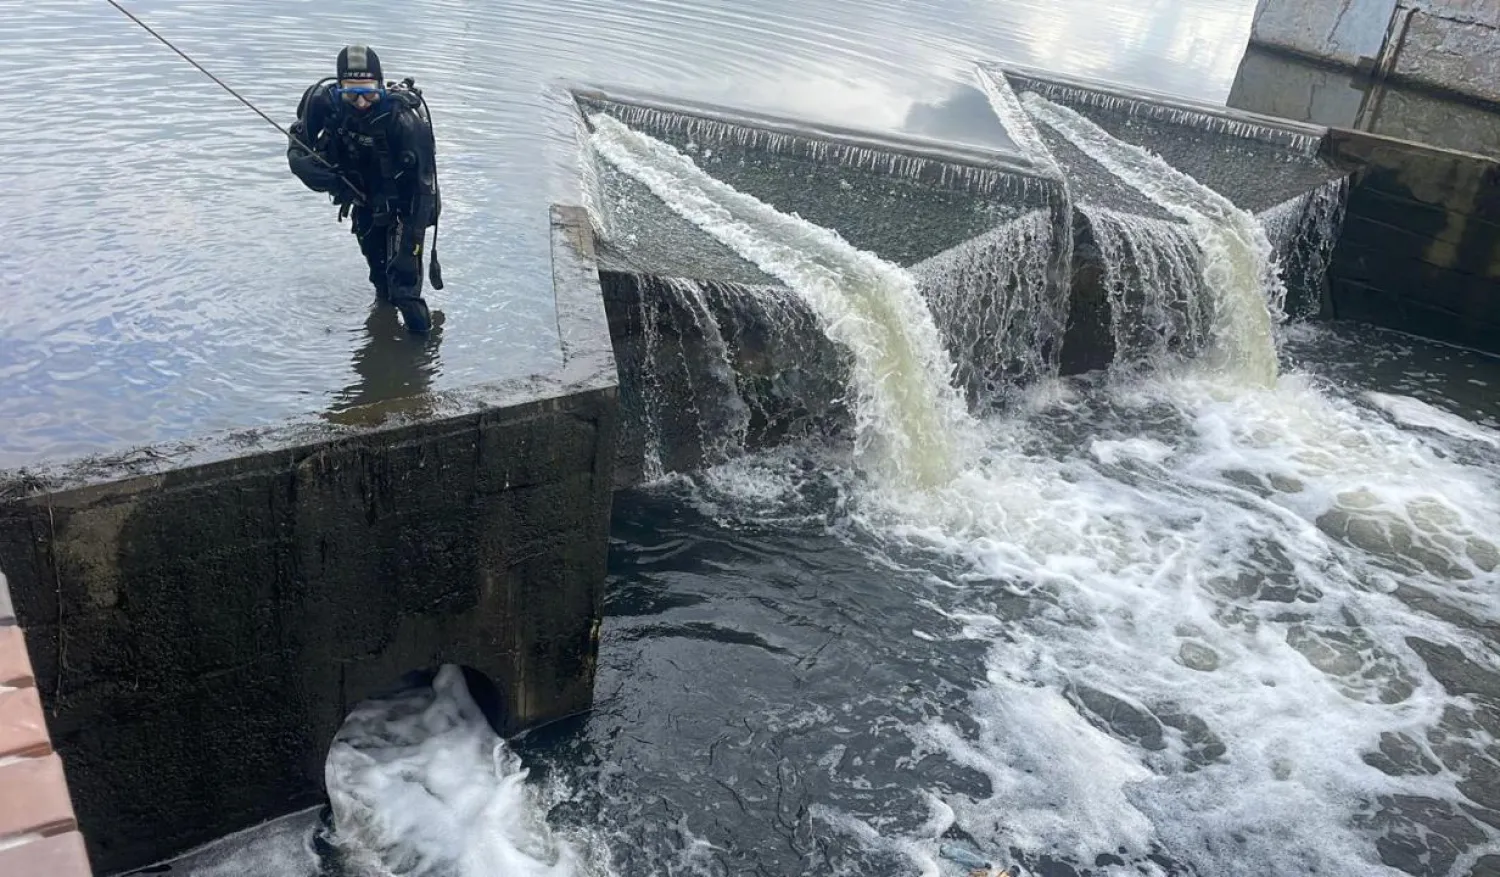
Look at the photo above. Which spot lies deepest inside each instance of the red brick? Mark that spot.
(34, 797)
(15, 661)
(62, 855)
(23, 728)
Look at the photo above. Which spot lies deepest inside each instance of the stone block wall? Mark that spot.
(1447, 45)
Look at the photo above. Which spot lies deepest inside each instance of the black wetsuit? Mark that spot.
(388, 154)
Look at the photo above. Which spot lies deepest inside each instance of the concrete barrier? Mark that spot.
(1420, 246)
(200, 616)
(1295, 88)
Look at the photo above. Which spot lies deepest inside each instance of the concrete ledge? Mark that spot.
(38, 831)
(1295, 136)
(1420, 247)
(200, 616)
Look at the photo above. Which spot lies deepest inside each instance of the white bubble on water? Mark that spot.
(420, 785)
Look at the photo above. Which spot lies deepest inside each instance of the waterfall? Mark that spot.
(995, 304)
(1247, 293)
(911, 427)
(1151, 271)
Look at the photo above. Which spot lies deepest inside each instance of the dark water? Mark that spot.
(167, 277)
(1165, 630)
(774, 668)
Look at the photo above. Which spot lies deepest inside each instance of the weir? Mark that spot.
(764, 280)
(1046, 260)
(975, 229)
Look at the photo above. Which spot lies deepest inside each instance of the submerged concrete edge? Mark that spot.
(992, 159)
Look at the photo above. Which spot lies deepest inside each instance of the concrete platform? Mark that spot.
(200, 616)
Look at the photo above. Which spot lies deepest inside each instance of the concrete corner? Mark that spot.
(201, 616)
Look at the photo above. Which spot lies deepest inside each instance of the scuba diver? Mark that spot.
(369, 145)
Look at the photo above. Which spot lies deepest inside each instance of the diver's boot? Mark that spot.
(414, 312)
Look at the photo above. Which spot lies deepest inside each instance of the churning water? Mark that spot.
(1218, 617)
(167, 277)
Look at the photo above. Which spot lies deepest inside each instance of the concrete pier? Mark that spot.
(201, 616)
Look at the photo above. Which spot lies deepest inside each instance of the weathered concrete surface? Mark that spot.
(1343, 31)
(201, 618)
(1450, 45)
(1420, 247)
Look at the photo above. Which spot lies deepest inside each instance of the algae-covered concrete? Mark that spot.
(1420, 246)
(201, 617)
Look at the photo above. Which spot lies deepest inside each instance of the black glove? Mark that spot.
(344, 193)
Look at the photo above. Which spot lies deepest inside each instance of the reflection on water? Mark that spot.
(1278, 85)
(167, 276)
(392, 363)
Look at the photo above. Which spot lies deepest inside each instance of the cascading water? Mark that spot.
(1239, 269)
(1152, 274)
(710, 370)
(1207, 597)
(1303, 231)
(994, 302)
(910, 424)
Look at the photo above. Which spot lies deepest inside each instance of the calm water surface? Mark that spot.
(167, 277)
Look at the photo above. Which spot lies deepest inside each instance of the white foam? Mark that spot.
(910, 422)
(421, 786)
(1153, 565)
(1415, 412)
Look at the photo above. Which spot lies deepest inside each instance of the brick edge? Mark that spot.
(39, 834)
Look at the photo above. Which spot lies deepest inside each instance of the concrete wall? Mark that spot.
(1342, 31)
(1452, 45)
(201, 618)
(1449, 43)
(1420, 246)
